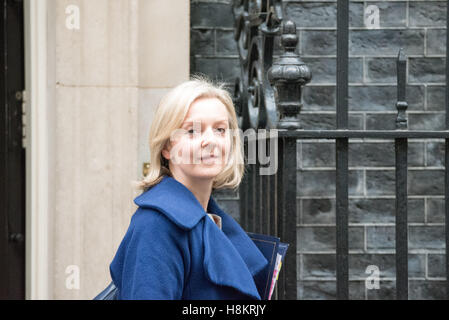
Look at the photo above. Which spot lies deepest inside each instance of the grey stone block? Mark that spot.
(202, 42)
(320, 98)
(226, 45)
(418, 290)
(324, 265)
(427, 13)
(380, 237)
(322, 14)
(375, 154)
(356, 14)
(358, 263)
(327, 290)
(436, 265)
(371, 154)
(318, 42)
(317, 290)
(381, 70)
(316, 211)
(383, 98)
(318, 266)
(391, 14)
(381, 121)
(386, 42)
(322, 183)
(435, 153)
(315, 121)
(220, 69)
(204, 14)
(425, 182)
(310, 14)
(426, 70)
(324, 70)
(324, 238)
(426, 121)
(426, 237)
(313, 154)
(414, 96)
(427, 290)
(436, 97)
(436, 41)
(383, 210)
(386, 291)
(380, 182)
(415, 154)
(386, 263)
(322, 154)
(435, 210)
(416, 121)
(417, 265)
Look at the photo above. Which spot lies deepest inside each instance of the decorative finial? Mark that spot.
(401, 104)
(287, 74)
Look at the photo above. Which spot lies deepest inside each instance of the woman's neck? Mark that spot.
(201, 188)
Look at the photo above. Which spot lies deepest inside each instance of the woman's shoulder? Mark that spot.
(149, 220)
(148, 227)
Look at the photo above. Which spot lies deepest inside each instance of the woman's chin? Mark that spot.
(207, 171)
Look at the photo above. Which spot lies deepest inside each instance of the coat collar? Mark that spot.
(230, 257)
(174, 200)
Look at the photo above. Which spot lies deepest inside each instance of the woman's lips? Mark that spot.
(210, 159)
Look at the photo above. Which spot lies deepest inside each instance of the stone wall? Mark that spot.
(106, 77)
(419, 28)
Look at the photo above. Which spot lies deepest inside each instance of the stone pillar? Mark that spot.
(112, 61)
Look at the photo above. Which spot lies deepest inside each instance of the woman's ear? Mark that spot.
(166, 151)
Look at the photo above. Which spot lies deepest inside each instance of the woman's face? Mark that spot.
(200, 148)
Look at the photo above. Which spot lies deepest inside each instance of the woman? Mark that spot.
(180, 244)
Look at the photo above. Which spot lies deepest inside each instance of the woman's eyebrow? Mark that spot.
(218, 121)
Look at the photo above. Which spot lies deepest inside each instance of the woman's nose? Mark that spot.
(208, 137)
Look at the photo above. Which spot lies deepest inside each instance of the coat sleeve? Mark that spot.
(156, 259)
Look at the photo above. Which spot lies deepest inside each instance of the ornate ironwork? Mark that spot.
(268, 95)
(257, 22)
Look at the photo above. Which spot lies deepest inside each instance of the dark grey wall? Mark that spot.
(419, 28)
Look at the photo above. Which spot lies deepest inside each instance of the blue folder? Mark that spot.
(270, 247)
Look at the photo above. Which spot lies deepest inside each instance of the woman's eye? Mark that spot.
(191, 131)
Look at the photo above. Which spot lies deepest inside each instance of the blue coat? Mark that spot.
(173, 250)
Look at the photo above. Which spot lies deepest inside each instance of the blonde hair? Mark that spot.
(169, 116)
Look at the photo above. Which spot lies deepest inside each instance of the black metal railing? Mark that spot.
(268, 96)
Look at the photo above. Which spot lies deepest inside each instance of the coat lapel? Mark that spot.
(230, 256)
(246, 248)
(223, 264)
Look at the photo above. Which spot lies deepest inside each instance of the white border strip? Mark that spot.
(37, 227)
